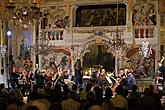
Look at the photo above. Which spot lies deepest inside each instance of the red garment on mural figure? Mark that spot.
(54, 69)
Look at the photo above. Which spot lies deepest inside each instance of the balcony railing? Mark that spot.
(144, 32)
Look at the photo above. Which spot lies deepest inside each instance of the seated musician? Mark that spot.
(158, 80)
(112, 78)
(130, 78)
(102, 78)
(162, 70)
(122, 78)
(94, 77)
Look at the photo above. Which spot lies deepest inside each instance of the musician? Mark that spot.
(36, 70)
(94, 77)
(130, 78)
(122, 78)
(102, 78)
(112, 77)
(162, 70)
(21, 82)
(77, 68)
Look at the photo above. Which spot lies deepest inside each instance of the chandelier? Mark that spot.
(117, 42)
(42, 45)
(22, 11)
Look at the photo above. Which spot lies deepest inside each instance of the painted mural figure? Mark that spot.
(145, 50)
(139, 17)
(144, 14)
(53, 66)
(152, 17)
(101, 16)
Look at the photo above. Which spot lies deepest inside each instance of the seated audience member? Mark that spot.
(70, 103)
(147, 101)
(107, 105)
(65, 91)
(157, 102)
(90, 101)
(41, 104)
(95, 107)
(12, 102)
(134, 99)
(56, 106)
(3, 101)
(119, 101)
(74, 90)
(32, 108)
(4, 91)
(13, 87)
(57, 94)
(108, 94)
(98, 95)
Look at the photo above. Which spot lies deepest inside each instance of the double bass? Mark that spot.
(158, 77)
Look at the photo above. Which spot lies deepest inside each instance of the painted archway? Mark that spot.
(96, 51)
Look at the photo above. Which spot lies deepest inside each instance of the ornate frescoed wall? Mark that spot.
(55, 18)
(100, 15)
(86, 18)
(59, 57)
(143, 67)
(26, 42)
(162, 6)
(99, 55)
(144, 13)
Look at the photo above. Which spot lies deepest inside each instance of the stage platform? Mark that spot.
(144, 83)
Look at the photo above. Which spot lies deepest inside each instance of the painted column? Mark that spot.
(33, 54)
(40, 56)
(3, 59)
(1, 36)
(40, 61)
(72, 43)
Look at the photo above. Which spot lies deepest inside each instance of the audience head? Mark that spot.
(57, 88)
(95, 107)
(119, 90)
(74, 87)
(88, 87)
(72, 95)
(151, 88)
(13, 85)
(108, 92)
(65, 89)
(107, 105)
(134, 88)
(2, 86)
(56, 106)
(146, 91)
(90, 96)
(32, 108)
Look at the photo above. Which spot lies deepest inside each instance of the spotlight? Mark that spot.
(9, 33)
(24, 13)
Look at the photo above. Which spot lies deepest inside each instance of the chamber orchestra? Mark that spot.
(26, 77)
